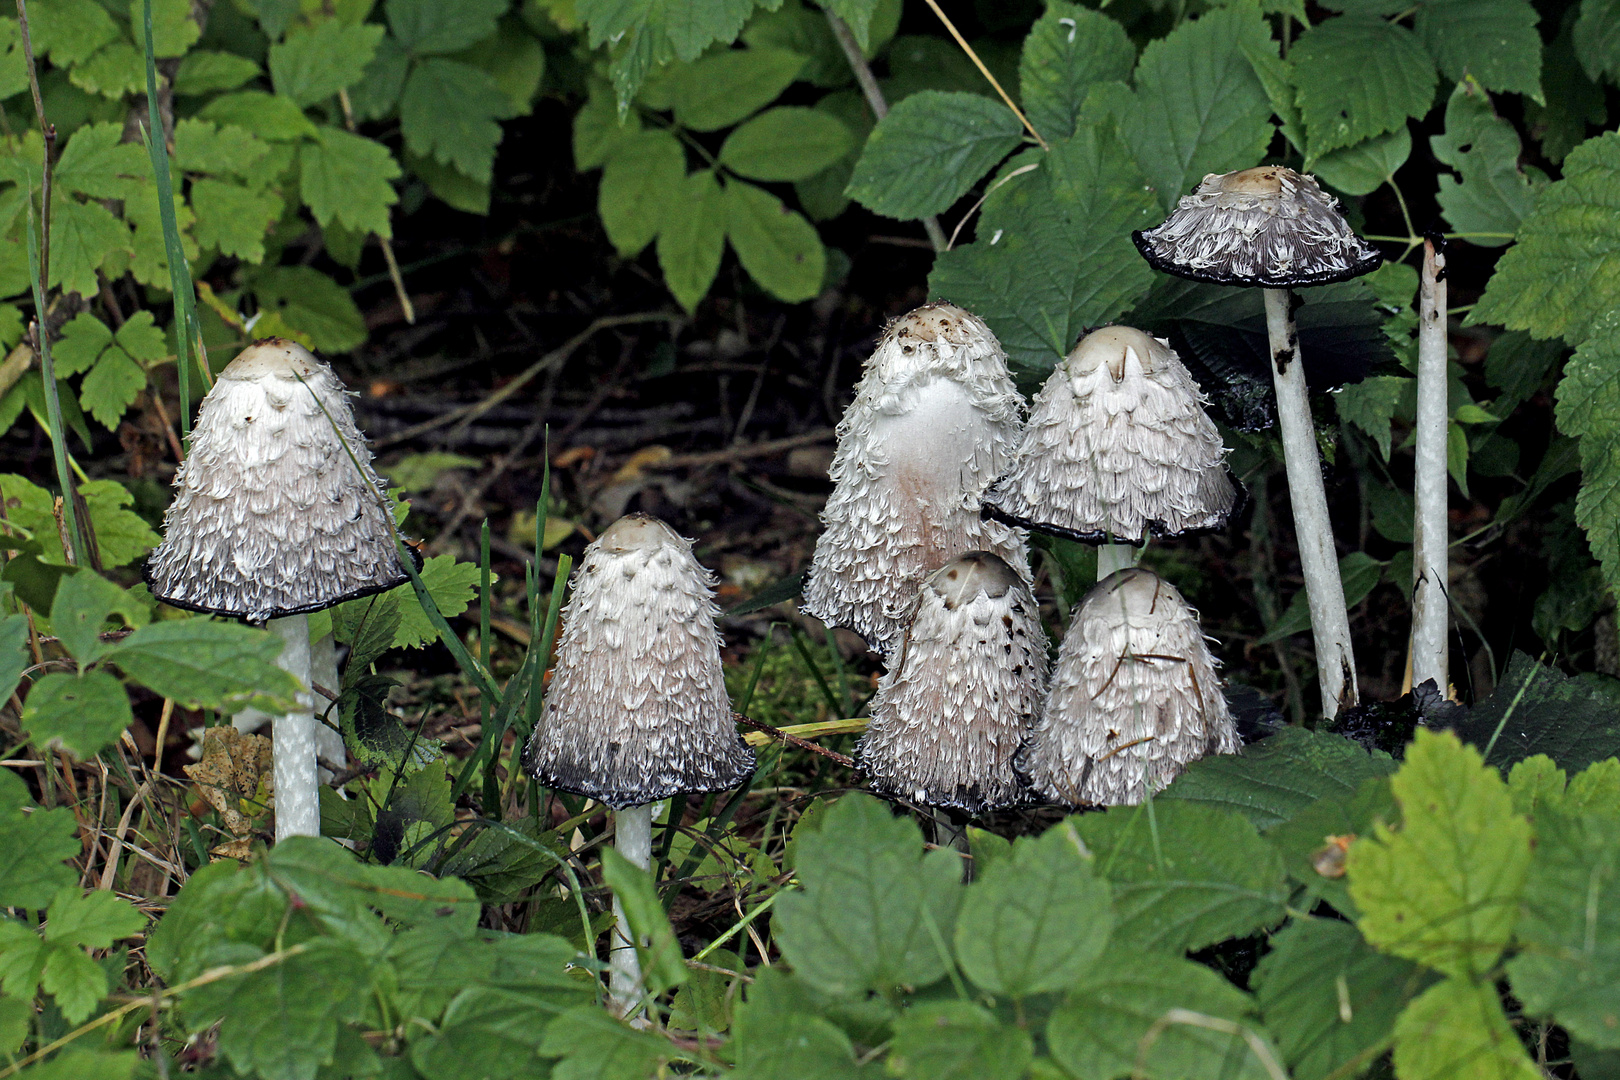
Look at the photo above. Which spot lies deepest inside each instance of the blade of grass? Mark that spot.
(834, 709)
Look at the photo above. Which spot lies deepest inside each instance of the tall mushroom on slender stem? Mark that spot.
(270, 521)
(1277, 230)
(1431, 554)
(934, 420)
(637, 710)
(1117, 447)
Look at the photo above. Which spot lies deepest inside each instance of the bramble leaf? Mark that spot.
(1494, 41)
(647, 33)
(958, 1040)
(929, 150)
(203, 664)
(310, 301)
(1069, 50)
(1356, 77)
(33, 846)
(777, 246)
(427, 27)
(642, 176)
(345, 177)
(717, 91)
(691, 243)
(233, 218)
(1490, 193)
(312, 65)
(789, 142)
(83, 713)
(111, 387)
(465, 136)
(1457, 1028)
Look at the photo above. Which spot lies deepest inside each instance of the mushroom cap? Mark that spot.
(1269, 226)
(270, 516)
(962, 696)
(637, 710)
(935, 418)
(1117, 446)
(1134, 697)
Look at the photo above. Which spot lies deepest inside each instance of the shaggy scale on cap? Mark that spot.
(962, 697)
(1270, 226)
(637, 710)
(1134, 697)
(1117, 446)
(270, 517)
(934, 420)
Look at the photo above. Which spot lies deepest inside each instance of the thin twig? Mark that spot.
(794, 740)
(962, 41)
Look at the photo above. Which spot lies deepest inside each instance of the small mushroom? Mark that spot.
(637, 710)
(1117, 447)
(1134, 697)
(1276, 229)
(935, 419)
(272, 520)
(964, 691)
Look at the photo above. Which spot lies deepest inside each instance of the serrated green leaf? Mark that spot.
(1054, 253)
(74, 980)
(488, 1033)
(1069, 50)
(73, 1064)
(1371, 403)
(345, 177)
(33, 847)
(205, 71)
(1494, 41)
(1036, 919)
(80, 345)
(1490, 193)
(84, 601)
(1366, 166)
(122, 535)
(596, 1046)
(311, 66)
(83, 235)
(14, 660)
(1359, 575)
(777, 246)
(647, 33)
(451, 584)
(111, 387)
(957, 1040)
(174, 31)
(1443, 889)
(639, 184)
(1540, 710)
(1517, 365)
(150, 265)
(1457, 1029)
(1596, 37)
(599, 130)
(310, 301)
(224, 906)
(789, 142)
(114, 71)
(427, 27)
(465, 136)
(93, 919)
(929, 150)
(717, 91)
(16, 1018)
(455, 188)
(777, 1033)
(13, 64)
(662, 964)
(1589, 410)
(203, 664)
(82, 714)
(203, 147)
(377, 92)
(70, 30)
(233, 218)
(691, 243)
(348, 895)
(861, 920)
(1356, 77)
(276, 119)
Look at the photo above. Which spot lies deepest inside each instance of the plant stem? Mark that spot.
(1112, 558)
(632, 835)
(292, 736)
(1430, 527)
(1318, 558)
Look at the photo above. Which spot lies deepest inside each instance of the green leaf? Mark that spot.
(642, 176)
(33, 847)
(426, 27)
(345, 178)
(14, 660)
(93, 919)
(465, 136)
(84, 601)
(234, 219)
(222, 908)
(1199, 106)
(1540, 710)
(515, 60)
(1054, 253)
(1568, 967)
(81, 344)
(83, 1065)
(1589, 409)
(1457, 1029)
(957, 1040)
(1490, 193)
(1443, 889)
(786, 143)
(70, 30)
(313, 65)
(347, 896)
(662, 964)
(16, 1018)
(205, 71)
(83, 714)
(1322, 829)
(310, 301)
(74, 980)
(83, 235)
(203, 664)
(121, 534)
(1371, 405)
(858, 14)
(111, 387)
(377, 92)
(929, 150)
(1036, 919)
(777, 1033)
(1104, 1027)
(113, 72)
(488, 1033)
(202, 146)
(646, 33)
(1359, 574)
(599, 130)
(96, 163)
(1184, 876)
(596, 1046)
(457, 189)
(1596, 36)
(1366, 166)
(1069, 50)
(1517, 365)
(452, 586)
(1275, 779)
(1494, 41)
(690, 243)
(727, 86)
(862, 920)
(173, 29)
(1329, 998)
(777, 246)
(266, 115)
(1356, 77)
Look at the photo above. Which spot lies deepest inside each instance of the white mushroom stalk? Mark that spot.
(1431, 554)
(637, 710)
(936, 417)
(964, 691)
(271, 520)
(1276, 229)
(1134, 698)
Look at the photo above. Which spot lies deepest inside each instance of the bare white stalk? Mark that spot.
(323, 672)
(632, 835)
(292, 737)
(1114, 557)
(1330, 622)
(1430, 527)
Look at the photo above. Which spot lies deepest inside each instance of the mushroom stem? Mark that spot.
(1431, 534)
(1330, 622)
(292, 738)
(1114, 557)
(632, 835)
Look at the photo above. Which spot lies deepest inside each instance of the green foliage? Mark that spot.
(1490, 194)
(1457, 1028)
(930, 150)
(33, 844)
(1069, 50)
(1356, 77)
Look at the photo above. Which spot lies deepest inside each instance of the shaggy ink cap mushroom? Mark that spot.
(1269, 227)
(270, 517)
(936, 417)
(637, 709)
(1134, 697)
(964, 692)
(1117, 446)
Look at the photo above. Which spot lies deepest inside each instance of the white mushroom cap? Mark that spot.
(1269, 226)
(964, 693)
(1134, 697)
(1118, 445)
(270, 516)
(934, 420)
(637, 710)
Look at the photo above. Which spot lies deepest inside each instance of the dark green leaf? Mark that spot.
(1359, 575)
(1540, 710)
(929, 150)
(203, 664)
(1069, 50)
(82, 606)
(82, 714)
(778, 1035)
(1357, 77)
(789, 142)
(727, 86)
(640, 186)
(267, 116)
(957, 1040)
(647, 33)
(204, 71)
(465, 136)
(1596, 37)
(223, 904)
(312, 302)
(1311, 843)
(313, 65)
(691, 243)
(33, 847)
(596, 1046)
(777, 246)
(426, 27)
(487, 1033)
(1490, 193)
(1495, 41)
(1366, 166)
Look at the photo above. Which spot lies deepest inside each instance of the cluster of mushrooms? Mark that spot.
(937, 476)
